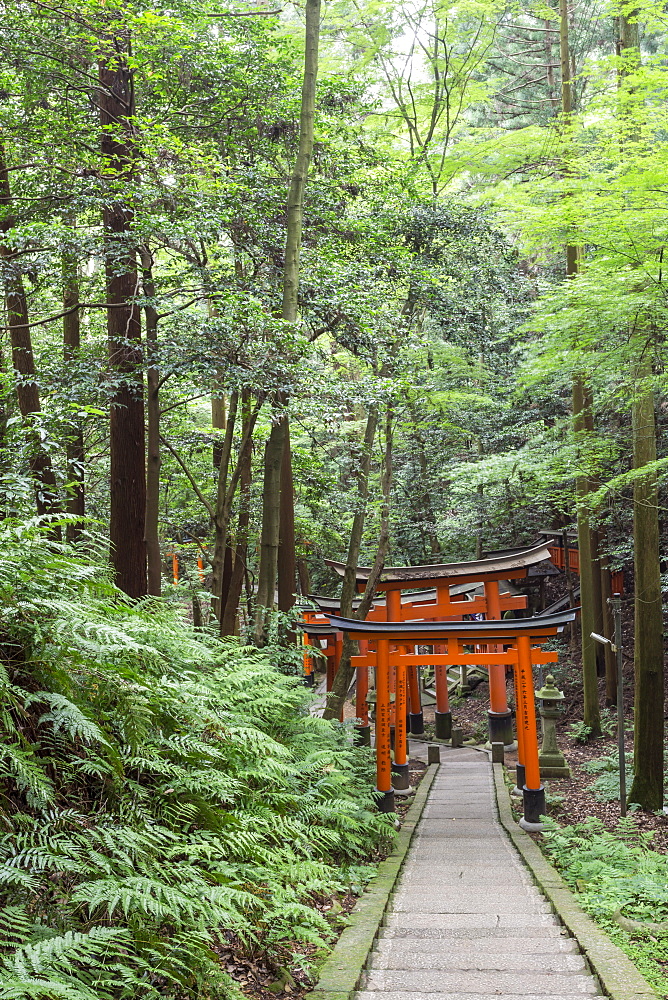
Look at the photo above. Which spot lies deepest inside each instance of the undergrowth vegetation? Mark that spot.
(622, 883)
(161, 792)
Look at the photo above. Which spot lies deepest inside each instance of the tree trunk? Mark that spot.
(349, 582)
(23, 360)
(228, 624)
(344, 674)
(287, 563)
(304, 577)
(271, 505)
(648, 732)
(218, 422)
(75, 504)
(284, 526)
(590, 596)
(647, 788)
(608, 628)
(126, 426)
(221, 518)
(154, 558)
(588, 566)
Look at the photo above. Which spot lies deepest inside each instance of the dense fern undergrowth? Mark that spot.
(160, 792)
(617, 874)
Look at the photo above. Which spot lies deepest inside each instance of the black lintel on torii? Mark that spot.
(318, 628)
(507, 628)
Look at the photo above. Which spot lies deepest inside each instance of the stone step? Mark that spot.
(484, 946)
(446, 902)
(417, 873)
(452, 890)
(477, 961)
(472, 931)
(459, 995)
(505, 983)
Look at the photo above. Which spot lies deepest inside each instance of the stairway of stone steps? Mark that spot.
(466, 921)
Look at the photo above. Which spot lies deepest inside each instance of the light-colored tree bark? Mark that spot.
(344, 674)
(75, 455)
(278, 502)
(151, 534)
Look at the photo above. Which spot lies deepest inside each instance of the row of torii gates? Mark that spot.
(392, 643)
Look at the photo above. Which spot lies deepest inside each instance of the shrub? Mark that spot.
(618, 873)
(160, 792)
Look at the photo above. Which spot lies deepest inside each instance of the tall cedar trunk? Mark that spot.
(75, 504)
(126, 425)
(228, 567)
(23, 360)
(608, 627)
(287, 563)
(218, 422)
(221, 516)
(153, 556)
(344, 674)
(647, 788)
(304, 577)
(228, 623)
(588, 569)
(590, 590)
(279, 527)
(648, 732)
(348, 584)
(271, 503)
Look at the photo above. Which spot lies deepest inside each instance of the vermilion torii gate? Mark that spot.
(512, 564)
(520, 642)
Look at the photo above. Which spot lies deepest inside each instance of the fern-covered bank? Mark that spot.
(160, 792)
(622, 883)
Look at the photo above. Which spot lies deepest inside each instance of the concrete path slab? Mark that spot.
(467, 922)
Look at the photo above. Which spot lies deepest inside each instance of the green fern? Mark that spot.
(175, 790)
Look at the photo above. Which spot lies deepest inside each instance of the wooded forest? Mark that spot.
(359, 281)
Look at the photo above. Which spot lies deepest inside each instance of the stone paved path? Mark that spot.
(467, 922)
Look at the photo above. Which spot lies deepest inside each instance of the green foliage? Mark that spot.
(618, 872)
(581, 733)
(161, 792)
(606, 785)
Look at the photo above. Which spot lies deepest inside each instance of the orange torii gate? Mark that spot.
(511, 564)
(519, 640)
(412, 608)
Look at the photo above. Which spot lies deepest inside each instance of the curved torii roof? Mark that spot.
(507, 628)
(476, 569)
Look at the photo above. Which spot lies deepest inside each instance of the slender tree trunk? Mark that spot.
(349, 582)
(153, 555)
(582, 425)
(647, 786)
(23, 360)
(221, 519)
(344, 674)
(588, 569)
(75, 504)
(279, 527)
(648, 737)
(228, 624)
(304, 577)
(608, 628)
(287, 562)
(271, 505)
(218, 422)
(126, 438)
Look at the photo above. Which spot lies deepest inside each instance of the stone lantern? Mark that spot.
(551, 760)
